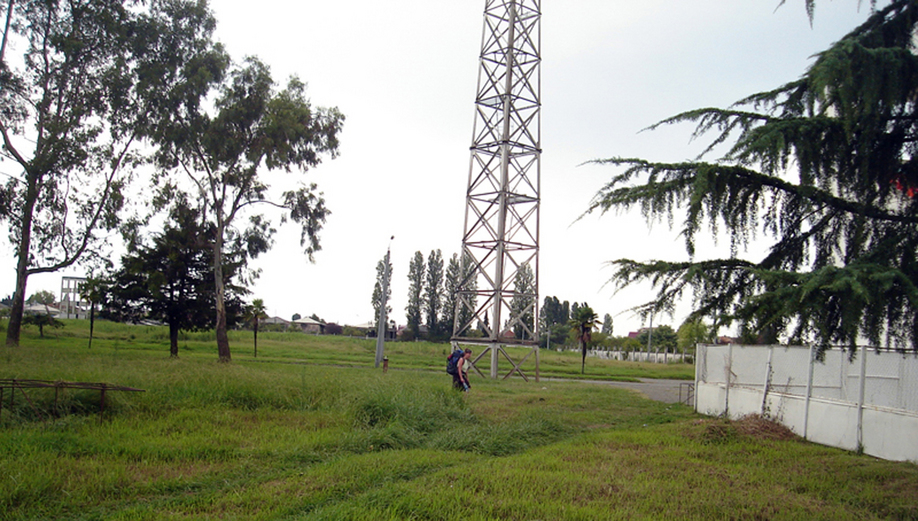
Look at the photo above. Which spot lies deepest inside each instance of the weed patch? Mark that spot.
(717, 431)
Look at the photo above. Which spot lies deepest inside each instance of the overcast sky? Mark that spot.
(404, 73)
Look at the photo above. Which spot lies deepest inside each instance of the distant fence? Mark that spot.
(636, 356)
(869, 402)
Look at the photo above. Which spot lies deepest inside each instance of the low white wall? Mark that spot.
(887, 433)
(635, 356)
(890, 434)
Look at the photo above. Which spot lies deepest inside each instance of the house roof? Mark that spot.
(275, 320)
(368, 325)
(42, 309)
(308, 321)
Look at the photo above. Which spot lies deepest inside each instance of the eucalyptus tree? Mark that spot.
(415, 291)
(95, 78)
(823, 168)
(228, 153)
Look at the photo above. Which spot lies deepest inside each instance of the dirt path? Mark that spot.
(667, 391)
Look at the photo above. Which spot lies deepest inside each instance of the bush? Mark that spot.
(355, 331)
(41, 320)
(333, 329)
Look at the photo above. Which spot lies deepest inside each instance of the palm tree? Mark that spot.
(583, 322)
(254, 313)
(92, 290)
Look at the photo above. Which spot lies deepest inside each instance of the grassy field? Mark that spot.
(341, 351)
(310, 431)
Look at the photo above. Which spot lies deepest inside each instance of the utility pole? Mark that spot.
(381, 325)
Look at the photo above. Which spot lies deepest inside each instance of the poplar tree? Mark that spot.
(433, 292)
(824, 168)
(377, 296)
(607, 324)
(552, 313)
(468, 281)
(450, 291)
(415, 289)
(523, 303)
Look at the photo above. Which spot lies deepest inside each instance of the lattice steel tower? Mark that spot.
(500, 244)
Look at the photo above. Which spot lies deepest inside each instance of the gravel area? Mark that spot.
(667, 391)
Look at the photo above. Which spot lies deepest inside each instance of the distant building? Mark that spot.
(639, 332)
(309, 325)
(274, 320)
(42, 309)
(371, 330)
(72, 304)
(369, 326)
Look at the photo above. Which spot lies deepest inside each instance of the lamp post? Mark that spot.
(381, 326)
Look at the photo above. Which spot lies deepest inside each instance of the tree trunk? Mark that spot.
(22, 266)
(173, 340)
(15, 323)
(256, 336)
(223, 348)
(583, 357)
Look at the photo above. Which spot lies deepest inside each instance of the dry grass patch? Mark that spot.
(753, 426)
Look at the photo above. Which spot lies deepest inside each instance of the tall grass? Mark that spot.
(279, 440)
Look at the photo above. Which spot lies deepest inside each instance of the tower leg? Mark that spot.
(494, 348)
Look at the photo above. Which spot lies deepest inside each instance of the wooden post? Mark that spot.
(102, 404)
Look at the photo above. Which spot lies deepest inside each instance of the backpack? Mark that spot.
(452, 361)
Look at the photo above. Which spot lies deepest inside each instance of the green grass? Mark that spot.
(297, 347)
(292, 437)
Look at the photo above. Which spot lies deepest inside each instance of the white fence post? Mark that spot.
(729, 371)
(809, 392)
(860, 399)
(701, 359)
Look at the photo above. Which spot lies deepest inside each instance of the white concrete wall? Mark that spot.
(636, 356)
(887, 433)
